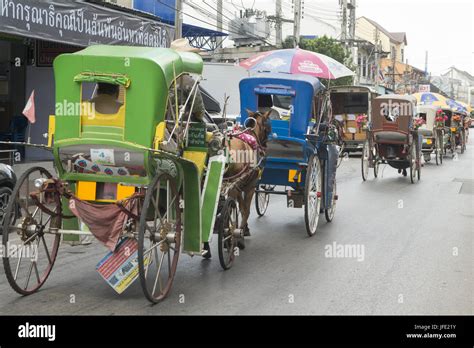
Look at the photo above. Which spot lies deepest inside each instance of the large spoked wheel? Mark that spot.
(439, 149)
(365, 161)
(329, 212)
(414, 164)
(262, 200)
(159, 237)
(27, 227)
(227, 233)
(313, 195)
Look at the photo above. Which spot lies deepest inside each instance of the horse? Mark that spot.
(258, 127)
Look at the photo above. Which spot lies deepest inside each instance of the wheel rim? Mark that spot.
(159, 238)
(365, 162)
(412, 163)
(262, 200)
(313, 196)
(331, 211)
(227, 239)
(4, 199)
(28, 228)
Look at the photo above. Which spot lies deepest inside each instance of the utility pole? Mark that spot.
(278, 23)
(377, 59)
(344, 23)
(178, 20)
(394, 65)
(426, 64)
(297, 21)
(452, 83)
(219, 25)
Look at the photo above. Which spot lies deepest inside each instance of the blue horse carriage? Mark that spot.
(302, 149)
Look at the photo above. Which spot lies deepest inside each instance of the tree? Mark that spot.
(329, 47)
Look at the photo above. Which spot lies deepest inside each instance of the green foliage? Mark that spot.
(329, 47)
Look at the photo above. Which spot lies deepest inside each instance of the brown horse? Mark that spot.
(243, 163)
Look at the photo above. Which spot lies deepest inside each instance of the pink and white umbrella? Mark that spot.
(297, 61)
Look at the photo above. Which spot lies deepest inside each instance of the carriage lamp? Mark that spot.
(453, 129)
(39, 182)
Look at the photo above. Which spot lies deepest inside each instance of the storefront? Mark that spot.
(33, 33)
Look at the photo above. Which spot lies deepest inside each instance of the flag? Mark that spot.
(381, 77)
(29, 110)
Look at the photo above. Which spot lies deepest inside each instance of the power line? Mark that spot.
(213, 25)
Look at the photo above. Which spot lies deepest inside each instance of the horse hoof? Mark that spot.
(246, 232)
(208, 249)
(241, 244)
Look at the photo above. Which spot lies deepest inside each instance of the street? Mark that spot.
(416, 257)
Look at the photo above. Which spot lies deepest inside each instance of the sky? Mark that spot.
(443, 28)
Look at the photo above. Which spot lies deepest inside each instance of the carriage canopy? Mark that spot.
(144, 74)
(292, 95)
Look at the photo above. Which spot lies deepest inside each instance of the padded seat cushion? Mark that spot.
(390, 136)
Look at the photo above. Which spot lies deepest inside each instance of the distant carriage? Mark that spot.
(392, 137)
(432, 132)
(351, 106)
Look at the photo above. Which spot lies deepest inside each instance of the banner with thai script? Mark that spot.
(81, 23)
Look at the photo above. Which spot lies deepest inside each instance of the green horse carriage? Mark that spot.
(135, 169)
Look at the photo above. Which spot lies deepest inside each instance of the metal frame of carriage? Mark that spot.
(171, 200)
(391, 137)
(301, 155)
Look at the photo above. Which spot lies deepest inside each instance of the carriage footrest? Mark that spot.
(294, 199)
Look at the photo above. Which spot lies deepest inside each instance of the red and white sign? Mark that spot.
(424, 89)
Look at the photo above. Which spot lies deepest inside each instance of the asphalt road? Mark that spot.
(418, 258)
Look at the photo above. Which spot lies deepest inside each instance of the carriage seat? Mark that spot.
(389, 136)
(425, 132)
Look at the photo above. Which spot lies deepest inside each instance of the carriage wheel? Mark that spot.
(376, 168)
(159, 237)
(329, 213)
(262, 200)
(227, 239)
(5, 195)
(365, 161)
(313, 195)
(453, 144)
(412, 158)
(27, 227)
(439, 149)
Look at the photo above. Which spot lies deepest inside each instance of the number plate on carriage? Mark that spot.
(292, 175)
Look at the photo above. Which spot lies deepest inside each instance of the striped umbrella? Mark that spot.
(297, 61)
